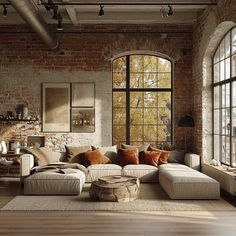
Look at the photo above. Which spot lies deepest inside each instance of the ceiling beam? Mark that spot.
(127, 3)
(71, 13)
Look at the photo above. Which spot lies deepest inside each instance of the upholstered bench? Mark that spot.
(182, 182)
(54, 183)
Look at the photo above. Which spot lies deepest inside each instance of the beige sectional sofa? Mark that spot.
(168, 175)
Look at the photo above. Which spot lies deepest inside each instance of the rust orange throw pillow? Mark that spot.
(163, 157)
(95, 157)
(150, 157)
(128, 156)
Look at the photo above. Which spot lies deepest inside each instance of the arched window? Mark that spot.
(224, 99)
(142, 100)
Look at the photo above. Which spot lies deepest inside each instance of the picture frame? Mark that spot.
(83, 94)
(55, 107)
(83, 120)
(11, 145)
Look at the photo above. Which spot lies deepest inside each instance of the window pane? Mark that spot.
(136, 80)
(119, 65)
(223, 149)
(227, 95)
(217, 97)
(217, 121)
(223, 96)
(136, 99)
(119, 99)
(234, 94)
(217, 56)
(119, 80)
(119, 134)
(136, 63)
(136, 133)
(150, 64)
(150, 80)
(233, 41)
(136, 116)
(233, 65)
(223, 125)
(163, 134)
(164, 116)
(164, 80)
(164, 100)
(234, 123)
(227, 68)
(119, 116)
(216, 147)
(227, 45)
(222, 70)
(222, 49)
(227, 150)
(150, 99)
(150, 116)
(164, 65)
(150, 133)
(216, 72)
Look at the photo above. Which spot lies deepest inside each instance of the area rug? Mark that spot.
(152, 198)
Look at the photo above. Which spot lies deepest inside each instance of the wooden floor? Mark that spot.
(108, 223)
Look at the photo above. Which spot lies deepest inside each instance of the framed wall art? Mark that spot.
(83, 95)
(56, 107)
(83, 120)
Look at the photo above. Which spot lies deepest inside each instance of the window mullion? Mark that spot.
(128, 99)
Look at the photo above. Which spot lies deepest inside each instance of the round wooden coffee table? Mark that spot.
(115, 188)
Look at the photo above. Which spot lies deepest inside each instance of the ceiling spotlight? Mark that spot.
(170, 11)
(5, 10)
(101, 12)
(55, 13)
(59, 24)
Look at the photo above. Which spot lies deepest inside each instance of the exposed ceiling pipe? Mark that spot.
(30, 13)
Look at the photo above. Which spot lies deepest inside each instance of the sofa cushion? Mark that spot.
(42, 156)
(98, 170)
(108, 151)
(127, 156)
(73, 153)
(176, 156)
(141, 148)
(95, 157)
(164, 155)
(149, 158)
(146, 173)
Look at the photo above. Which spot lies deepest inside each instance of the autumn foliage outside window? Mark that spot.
(142, 100)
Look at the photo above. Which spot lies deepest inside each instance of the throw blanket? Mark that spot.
(63, 168)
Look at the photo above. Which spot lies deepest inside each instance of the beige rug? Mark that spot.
(152, 198)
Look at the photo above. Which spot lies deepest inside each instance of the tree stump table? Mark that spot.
(115, 188)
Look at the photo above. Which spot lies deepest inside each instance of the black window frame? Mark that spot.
(219, 84)
(128, 90)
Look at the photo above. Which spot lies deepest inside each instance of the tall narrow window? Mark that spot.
(224, 102)
(142, 100)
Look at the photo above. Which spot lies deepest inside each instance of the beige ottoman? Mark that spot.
(54, 183)
(182, 182)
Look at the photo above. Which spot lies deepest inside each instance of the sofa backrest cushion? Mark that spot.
(95, 157)
(141, 148)
(164, 155)
(176, 156)
(127, 156)
(73, 152)
(149, 158)
(108, 151)
(42, 156)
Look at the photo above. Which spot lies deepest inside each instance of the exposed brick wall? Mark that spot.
(25, 62)
(204, 32)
